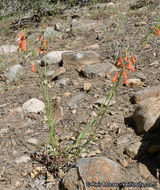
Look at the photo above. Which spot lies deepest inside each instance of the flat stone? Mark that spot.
(95, 70)
(147, 115)
(34, 105)
(146, 93)
(8, 49)
(80, 58)
(55, 73)
(13, 73)
(32, 141)
(62, 82)
(75, 100)
(52, 58)
(133, 149)
(22, 159)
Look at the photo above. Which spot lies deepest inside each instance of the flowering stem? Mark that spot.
(91, 135)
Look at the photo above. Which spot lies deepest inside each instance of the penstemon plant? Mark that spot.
(74, 150)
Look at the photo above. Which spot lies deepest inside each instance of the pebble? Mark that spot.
(142, 23)
(32, 141)
(62, 82)
(67, 94)
(34, 105)
(87, 86)
(22, 159)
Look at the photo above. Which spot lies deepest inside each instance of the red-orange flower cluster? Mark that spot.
(21, 43)
(43, 44)
(126, 64)
(155, 30)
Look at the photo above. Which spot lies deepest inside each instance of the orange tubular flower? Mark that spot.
(119, 62)
(157, 31)
(46, 44)
(133, 59)
(33, 66)
(24, 46)
(125, 58)
(130, 65)
(125, 76)
(115, 77)
(19, 34)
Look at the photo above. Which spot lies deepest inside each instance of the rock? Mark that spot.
(145, 173)
(62, 82)
(106, 170)
(153, 149)
(22, 159)
(141, 76)
(74, 100)
(147, 115)
(124, 139)
(87, 86)
(32, 141)
(52, 58)
(80, 58)
(138, 4)
(142, 23)
(71, 181)
(58, 27)
(95, 70)
(34, 105)
(134, 82)
(146, 93)
(55, 73)
(156, 62)
(13, 73)
(51, 33)
(8, 49)
(133, 149)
